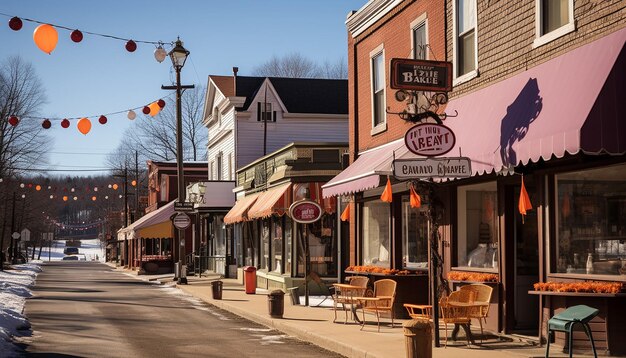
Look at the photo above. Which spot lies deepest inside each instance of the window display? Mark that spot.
(415, 234)
(376, 217)
(478, 226)
(591, 221)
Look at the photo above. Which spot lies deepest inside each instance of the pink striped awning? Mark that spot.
(549, 110)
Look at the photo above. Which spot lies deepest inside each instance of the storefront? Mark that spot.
(263, 233)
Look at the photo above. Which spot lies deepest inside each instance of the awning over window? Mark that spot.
(161, 230)
(162, 215)
(549, 110)
(272, 201)
(239, 212)
(365, 172)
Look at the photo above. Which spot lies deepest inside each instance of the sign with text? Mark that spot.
(421, 75)
(181, 221)
(459, 167)
(429, 139)
(305, 211)
(183, 206)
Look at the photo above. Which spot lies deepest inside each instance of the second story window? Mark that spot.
(378, 90)
(419, 41)
(554, 18)
(268, 114)
(465, 39)
(219, 166)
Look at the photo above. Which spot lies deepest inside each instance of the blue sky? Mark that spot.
(99, 76)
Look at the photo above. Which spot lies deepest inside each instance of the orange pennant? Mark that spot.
(416, 201)
(387, 194)
(524, 201)
(345, 215)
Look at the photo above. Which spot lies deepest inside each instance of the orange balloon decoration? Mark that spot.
(84, 125)
(115, 186)
(524, 204)
(415, 199)
(345, 215)
(64, 197)
(46, 38)
(93, 198)
(387, 195)
(154, 109)
(38, 187)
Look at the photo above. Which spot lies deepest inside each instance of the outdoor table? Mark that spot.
(466, 327)
(347, 294)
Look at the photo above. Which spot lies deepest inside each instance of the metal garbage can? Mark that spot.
(216, 289)
(250, 279)
(276, 303)
(418, 338)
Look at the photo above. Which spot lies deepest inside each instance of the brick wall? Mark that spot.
(393, 31)
(506, 31)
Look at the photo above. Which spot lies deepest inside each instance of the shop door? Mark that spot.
(525, 265)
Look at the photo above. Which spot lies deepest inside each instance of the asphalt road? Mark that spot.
(87, 309)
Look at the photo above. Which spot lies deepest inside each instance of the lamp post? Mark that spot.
(179, 55)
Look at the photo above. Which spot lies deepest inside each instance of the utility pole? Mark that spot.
(11, 245)
(136, 186)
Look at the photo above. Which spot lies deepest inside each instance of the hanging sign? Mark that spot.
(429, 139)
(181, 221)
(305, 211)
(421, 75)
(432, 168)
(183, 206)
(25, 235)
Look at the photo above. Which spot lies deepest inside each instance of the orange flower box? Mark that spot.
(583, 287)
(472, 276)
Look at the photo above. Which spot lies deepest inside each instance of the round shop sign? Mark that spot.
(182, 221)
(305, 211)
(429, 139)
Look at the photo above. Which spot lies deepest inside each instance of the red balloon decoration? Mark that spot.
(102, 119)
(13, 120)
(161, 103)
(76, 36)
(46, 124)
(146, 110)
(65, 123)
(15, 23)
(131, 46)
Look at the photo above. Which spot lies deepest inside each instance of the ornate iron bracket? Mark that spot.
(420, 106)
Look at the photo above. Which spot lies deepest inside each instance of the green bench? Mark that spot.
(564, 322)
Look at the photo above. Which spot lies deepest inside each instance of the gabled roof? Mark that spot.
(299, 95)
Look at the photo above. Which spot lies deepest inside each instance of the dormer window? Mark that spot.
(217, 116)
(268, 114)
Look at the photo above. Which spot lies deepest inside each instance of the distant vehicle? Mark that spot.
(70, 258)
(70, 250)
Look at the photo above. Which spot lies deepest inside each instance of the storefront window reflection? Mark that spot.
(277, 243)
(478, 226)
(591, 221)
(415, 235)
(376, 248)
(288, 241)
(265, 244)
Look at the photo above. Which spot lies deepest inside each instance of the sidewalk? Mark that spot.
(315, 325)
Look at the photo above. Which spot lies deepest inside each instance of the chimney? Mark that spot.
(235, 70)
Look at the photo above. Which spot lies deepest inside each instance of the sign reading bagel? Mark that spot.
(421, 75)
(429, 139)
(305, 211)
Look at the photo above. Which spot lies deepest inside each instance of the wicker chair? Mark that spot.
(451, 313)
(382, 301)
(343, 298)
(483, 297)
(419, 312)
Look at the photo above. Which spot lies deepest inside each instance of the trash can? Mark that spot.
(216, 289)
(276, 303)
(418, 338)
(250, 279)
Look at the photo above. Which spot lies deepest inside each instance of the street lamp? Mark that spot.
(179, 55)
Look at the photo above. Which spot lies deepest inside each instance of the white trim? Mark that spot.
(379, 50)
(455, 55)
(368, 15)
(419, 21)
(541, 38)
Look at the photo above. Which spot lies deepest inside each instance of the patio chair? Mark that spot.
(346, 296)
(382, 301)
(420, 312)
(482, 296)
(451, 313)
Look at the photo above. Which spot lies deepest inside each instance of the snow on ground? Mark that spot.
(16, 283)
(14, 289)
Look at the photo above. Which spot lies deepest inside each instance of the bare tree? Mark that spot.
(335, 70)
(21, 93)
(154, 138)
(292, 65)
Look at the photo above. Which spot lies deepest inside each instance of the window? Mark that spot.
(211, 170)
(477, 244)
(218, 168)
(277, 243)
(268, 114)
(415, 234)
(420, 46)
(265, 244)
(465, 39)
(591, 221)
(376, 233)
(288, 243)
(230, 166)
(378, 92)
(217, 116)
(554, 18)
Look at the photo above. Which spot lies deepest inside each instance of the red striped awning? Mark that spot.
(274, 201)
(239, 212)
